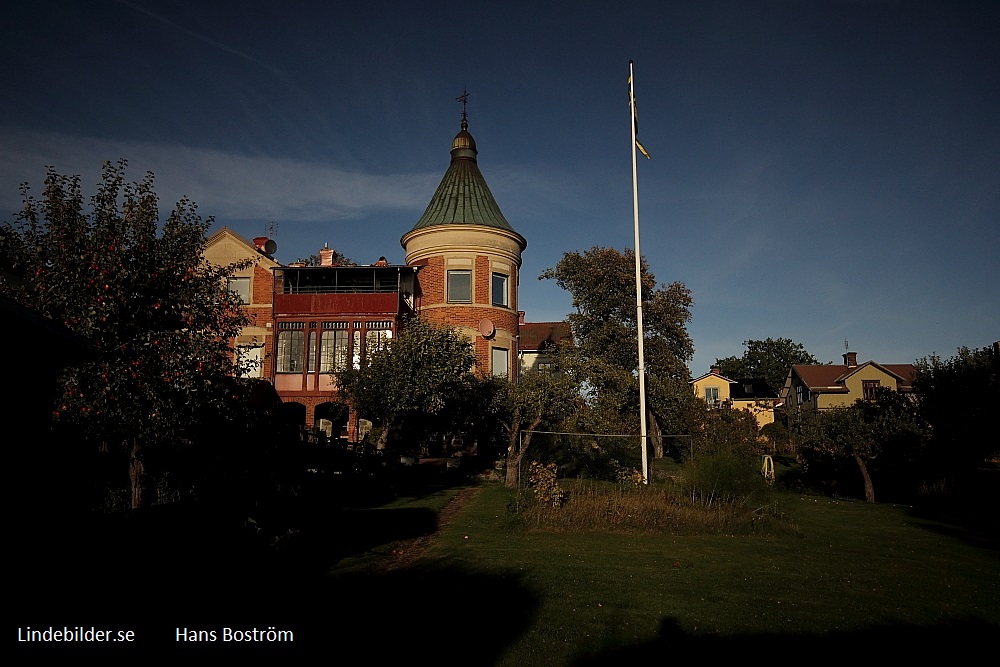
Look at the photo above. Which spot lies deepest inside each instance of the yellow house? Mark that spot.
(713, 388)
(821, 387)
(752, 395)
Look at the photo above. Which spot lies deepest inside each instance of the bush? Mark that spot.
(723, 462)
(587, 456)
(542, 480)
(723, 477)
(777, 437)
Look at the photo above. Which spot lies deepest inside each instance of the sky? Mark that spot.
(824, 171)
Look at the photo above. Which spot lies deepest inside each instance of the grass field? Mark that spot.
(852, 574)
(423, 579)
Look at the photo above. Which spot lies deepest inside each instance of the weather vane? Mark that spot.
(464, 99)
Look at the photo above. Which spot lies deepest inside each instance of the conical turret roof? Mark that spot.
(463, 198)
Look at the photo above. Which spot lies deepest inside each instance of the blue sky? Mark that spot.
(821, 170)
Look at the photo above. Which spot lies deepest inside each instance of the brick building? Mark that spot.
(462, 263)
(253, 284)
(469, 259)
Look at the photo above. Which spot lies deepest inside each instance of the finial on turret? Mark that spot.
(464, 99)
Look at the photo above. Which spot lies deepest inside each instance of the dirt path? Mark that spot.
(406, 552)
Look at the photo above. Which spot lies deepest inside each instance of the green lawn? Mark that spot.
(856, 573)
(483, 590)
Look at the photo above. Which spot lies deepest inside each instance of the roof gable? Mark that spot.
(708, 375)
(540, 336)
(829, 377)
(238, 246)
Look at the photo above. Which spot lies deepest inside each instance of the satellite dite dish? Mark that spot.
(270, 246)
(486, 328)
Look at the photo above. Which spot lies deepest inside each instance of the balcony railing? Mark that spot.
(340, 289)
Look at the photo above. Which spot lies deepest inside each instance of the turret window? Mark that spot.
(500, 290)
(500, 362)
(460, 286)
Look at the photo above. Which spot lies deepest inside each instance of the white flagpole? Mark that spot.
(638, 284)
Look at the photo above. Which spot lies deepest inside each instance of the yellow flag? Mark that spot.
(641, 149)
(635, 119)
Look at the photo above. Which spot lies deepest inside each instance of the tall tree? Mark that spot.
(159, 318)
(769, 360)
(422, 371)
(601, 282)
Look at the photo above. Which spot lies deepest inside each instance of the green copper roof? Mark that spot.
(463, 198)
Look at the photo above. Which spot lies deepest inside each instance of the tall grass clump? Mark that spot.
(718, 488)
(595, 506)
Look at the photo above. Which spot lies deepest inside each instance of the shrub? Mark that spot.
(778, 439)
(723, 477)
(542, 480)
(723, 463)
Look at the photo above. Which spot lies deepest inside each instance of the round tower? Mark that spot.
(470, 259)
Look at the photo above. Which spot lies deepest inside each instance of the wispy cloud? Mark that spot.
(225, 185)
(191, 33)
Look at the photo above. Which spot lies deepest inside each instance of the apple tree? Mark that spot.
(159, 318)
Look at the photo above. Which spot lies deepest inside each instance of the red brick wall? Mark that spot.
(434, 308)
(481, 281)
(262, 285)
(431, 280)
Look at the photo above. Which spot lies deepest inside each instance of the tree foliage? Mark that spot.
(957, 397)
(605, 359)
(883, 433)
(538, 399)
(422, 371)
(768, 360)
(159, 318)
(722, 462)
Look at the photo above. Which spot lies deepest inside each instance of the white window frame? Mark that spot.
(249, 361)
(334, 350)
(452, 288)
(500, 359)
(290, 349)
(240, 286)
(500, 296)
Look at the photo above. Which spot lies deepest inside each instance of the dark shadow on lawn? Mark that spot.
(182, 569)
(894, 643)
(970, 516)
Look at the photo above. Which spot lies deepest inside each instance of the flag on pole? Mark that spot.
(635, 118)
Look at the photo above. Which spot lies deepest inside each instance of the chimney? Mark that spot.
(259, 242)
(850, 359)
(714, 370)
(520, 317)
(326, 255)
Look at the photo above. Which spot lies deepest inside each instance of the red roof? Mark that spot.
(820, 378)
(537, 336)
